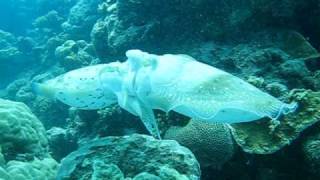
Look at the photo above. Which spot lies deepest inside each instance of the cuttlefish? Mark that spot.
(169, 82)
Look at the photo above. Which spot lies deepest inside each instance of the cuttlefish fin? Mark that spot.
(43, 89)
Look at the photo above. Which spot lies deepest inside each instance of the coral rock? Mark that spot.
(265, 137)
(81, 19)
(211, 143)
(36, 170)
(75, 54)
(129, 156)
(311, 152)
(23, 143)
(21, 131)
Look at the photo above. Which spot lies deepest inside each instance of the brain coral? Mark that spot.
(130, 157)
(211, 143)
(44, 169)
(23, 145)
(311, 152)
(265, 137)
(21, 131)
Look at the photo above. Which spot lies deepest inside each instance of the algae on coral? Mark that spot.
(264, 137)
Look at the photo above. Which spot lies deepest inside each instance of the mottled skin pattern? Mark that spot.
(213, 95)
(80, 88)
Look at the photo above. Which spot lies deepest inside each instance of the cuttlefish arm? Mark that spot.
(145, 113)
(125, 89)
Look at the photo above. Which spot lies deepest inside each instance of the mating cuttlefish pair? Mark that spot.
(167, 82)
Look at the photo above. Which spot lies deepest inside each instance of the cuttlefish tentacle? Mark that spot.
(166, 82)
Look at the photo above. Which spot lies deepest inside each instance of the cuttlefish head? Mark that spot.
(138, 59)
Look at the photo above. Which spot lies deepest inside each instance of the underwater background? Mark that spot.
(272, 44)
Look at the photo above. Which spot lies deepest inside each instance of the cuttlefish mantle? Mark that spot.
(167, 82)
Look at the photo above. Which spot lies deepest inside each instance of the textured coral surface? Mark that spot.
(211, 143)
(128, 157)
(265, 137)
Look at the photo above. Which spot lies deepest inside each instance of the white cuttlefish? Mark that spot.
(166, 82)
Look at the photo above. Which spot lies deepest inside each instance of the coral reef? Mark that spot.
(46, 51)
(154, 32)
(110, 121)
(99, 37)
(276, 55)
(10, 57)
(14, 87)
(311, 152)
(36, 169)
(45, 109)
(266, 137)
(128, 157)
(50, 22)
(81, 18)
(211, 143)
(72, 54)
(114, 121)
(144, 29)
(23, 144)
(21, 131)
(57, 138)
(272, 44)
(8, 51)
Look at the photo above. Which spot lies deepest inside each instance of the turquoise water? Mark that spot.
(229, 89)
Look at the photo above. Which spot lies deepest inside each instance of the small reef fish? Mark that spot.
(167, 82)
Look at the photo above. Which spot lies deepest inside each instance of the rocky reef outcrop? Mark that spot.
(21, 131)
(12, 56)
(311, 152)
(265, 137)
(72, 54)
(24, 150)
(81, 18)
(130, 157)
